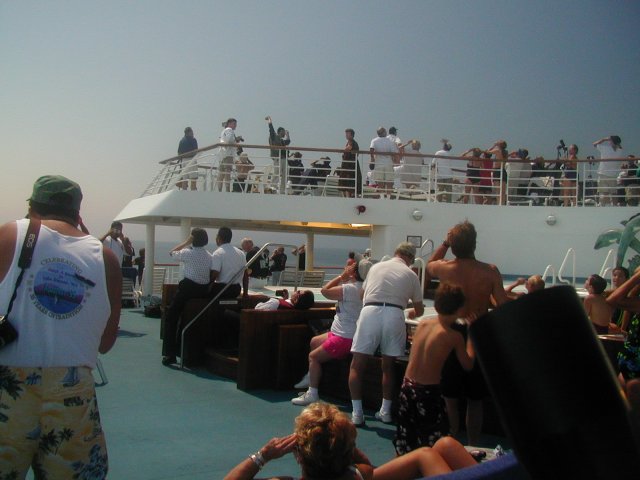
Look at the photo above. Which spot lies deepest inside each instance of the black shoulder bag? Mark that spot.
(7, 332)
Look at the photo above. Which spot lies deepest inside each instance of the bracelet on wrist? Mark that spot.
(258, 459)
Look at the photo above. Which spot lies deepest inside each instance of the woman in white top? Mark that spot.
(336, 344)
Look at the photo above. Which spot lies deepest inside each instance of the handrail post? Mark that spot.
(546, 272)
(606, 261)
(571, 252)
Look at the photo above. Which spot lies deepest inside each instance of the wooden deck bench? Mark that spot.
(274, 346)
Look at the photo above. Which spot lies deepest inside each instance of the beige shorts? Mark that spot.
(226, 164)
(51, 420)
(190, 169)
(384, 173)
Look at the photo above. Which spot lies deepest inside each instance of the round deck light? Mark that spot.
(417, 215)
(551, 220)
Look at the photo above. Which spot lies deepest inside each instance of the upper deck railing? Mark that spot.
(417, 176)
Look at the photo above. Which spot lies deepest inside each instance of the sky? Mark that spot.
(101, 91)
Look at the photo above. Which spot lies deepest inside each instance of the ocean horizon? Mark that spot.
(324, 256)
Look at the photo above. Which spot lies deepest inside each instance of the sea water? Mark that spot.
(324, 256)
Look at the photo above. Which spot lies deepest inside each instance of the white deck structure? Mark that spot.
(523, 237)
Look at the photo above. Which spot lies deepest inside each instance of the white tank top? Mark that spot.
(62, 305)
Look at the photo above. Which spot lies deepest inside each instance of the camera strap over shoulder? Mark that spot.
(29, 244)
(26, 254)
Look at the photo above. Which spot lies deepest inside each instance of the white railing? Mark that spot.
(421, 266)
(609, 264)
(571, 254)
(549, 269)
(428, 241)
(418, 177)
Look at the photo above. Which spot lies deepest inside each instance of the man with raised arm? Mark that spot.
(279, 138)
(195, 284)
(483, 287)
(115, 241)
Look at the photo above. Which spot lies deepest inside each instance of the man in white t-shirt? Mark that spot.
(608, 171)
(447, 173)
(114, 240)
(382, 165)
(387, 289)
(227, 266)
(228, 136)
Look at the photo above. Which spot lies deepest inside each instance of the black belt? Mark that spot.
(383, 304)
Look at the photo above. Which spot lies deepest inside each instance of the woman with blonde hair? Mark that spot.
(324, 444)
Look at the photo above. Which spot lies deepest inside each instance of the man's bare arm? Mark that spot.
(498, 293)
(433, 265)
(624, 296)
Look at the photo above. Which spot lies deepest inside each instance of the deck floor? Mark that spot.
(164, 423)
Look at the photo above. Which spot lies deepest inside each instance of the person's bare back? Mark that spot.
(479, 281)
(598, 310)
(433, 341)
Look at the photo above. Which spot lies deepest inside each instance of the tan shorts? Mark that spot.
(226, 165)
(51, 420)
(384, 173)
(190, 169)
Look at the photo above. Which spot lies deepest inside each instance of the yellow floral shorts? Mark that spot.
(49, 421)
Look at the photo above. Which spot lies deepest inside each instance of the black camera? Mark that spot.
(7, 333)
(280, 293)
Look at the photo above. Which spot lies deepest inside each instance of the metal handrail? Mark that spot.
(571, 252)
(545, 274)
(607, 271)
(421, 266)
(603, 269)
(214, 299)
(172, 171)
(428, 240)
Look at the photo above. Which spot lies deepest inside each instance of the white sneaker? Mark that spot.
(384, 417)
(357, 419)
(306, 398)
(304, 383)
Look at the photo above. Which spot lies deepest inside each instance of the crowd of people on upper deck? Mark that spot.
(492, 175)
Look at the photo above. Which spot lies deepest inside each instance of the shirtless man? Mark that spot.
(598, 310)
(483, 287)
(422, 417)
(480, 282)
